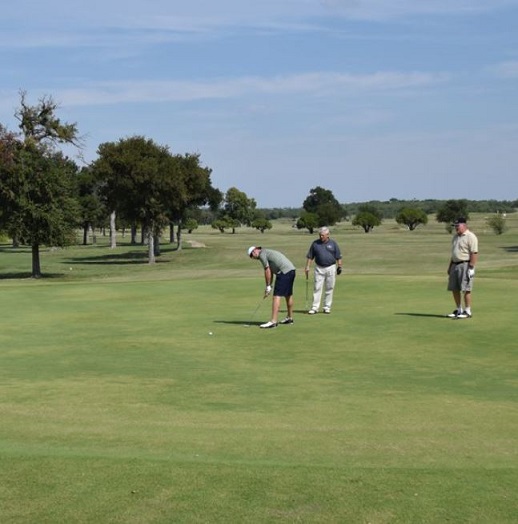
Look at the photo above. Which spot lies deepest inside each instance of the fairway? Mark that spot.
(132, 393)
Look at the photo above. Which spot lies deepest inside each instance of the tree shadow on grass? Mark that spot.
(429, 315)
(118, 259)
(28, 275)
(128, 257)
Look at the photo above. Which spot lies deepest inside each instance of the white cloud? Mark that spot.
(316, 84)
(507, 69)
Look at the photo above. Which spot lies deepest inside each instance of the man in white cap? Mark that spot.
(278, 265)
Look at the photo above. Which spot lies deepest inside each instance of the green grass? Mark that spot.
(117, 405)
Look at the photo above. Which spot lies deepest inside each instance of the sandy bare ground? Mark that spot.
(194, 243)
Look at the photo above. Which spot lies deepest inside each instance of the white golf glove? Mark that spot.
(471, 272)
(267, 291)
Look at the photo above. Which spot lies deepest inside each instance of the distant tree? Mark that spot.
(37, 189)
(322, 203)
(190, 225)
(451, 210)
(497, 223)
(411, 217)
(261, 224)
(366, 220)
(308, 221)
(238, 208)
(372, 209)
(222, 223)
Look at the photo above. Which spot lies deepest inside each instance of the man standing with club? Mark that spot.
(461, 269)
(278, 265)
(328, 263)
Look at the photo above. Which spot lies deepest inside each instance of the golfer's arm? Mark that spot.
(473, 258)
(268, 276)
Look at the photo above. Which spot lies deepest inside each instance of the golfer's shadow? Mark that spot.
(429, 315)
(256, 322)
(239, 322)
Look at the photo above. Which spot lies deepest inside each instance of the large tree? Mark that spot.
(37, 180)
(140, 181)
(323, 203)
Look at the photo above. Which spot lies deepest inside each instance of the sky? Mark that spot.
(371, 99)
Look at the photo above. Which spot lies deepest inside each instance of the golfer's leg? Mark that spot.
(467, 299)
(457, 299)
(317, 288)
(276, 302)
(289, 305)
(329, 286)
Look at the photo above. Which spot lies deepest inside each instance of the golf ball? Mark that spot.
(210, 332)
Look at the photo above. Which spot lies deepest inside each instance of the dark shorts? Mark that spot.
(284, 284)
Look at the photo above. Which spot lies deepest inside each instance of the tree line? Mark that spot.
(139, 185)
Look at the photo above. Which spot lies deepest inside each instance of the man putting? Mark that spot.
(278, 265)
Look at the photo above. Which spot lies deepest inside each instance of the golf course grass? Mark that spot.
(137, 393)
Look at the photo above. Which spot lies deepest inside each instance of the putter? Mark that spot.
(307, 291)
(254, 313)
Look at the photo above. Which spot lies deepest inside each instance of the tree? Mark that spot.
(367, 218)
(307, 221)
(222, 223)
(411, 217)
(497, 223)
(238, 208)
(92, 210)
(451, 210)
(190, 225)
(37, 181)
(322, 203)
(198, 191)
(261, 224)
(141, 181)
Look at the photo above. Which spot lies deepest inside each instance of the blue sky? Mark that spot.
(372, 99)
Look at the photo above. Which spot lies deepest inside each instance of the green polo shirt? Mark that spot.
(276, 261)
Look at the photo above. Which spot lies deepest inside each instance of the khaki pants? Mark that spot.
(325, 278)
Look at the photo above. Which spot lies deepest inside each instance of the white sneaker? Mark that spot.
(268, 325)
(312, 312)
(327, 310)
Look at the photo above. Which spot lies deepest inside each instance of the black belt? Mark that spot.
(461, 262)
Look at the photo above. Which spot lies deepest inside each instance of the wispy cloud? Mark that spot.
(203, 17)
(316, 84)
(383, 9)
(508, 69)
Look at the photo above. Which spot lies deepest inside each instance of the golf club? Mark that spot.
(255, 312)
(307, 291)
